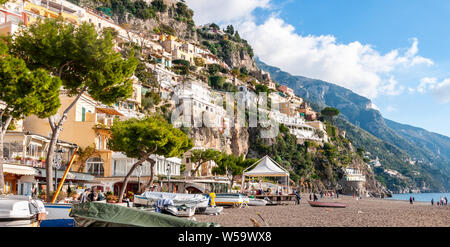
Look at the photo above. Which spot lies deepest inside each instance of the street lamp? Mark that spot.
(139, 170)
(168, 174)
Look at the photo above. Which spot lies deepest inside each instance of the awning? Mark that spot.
(109, 111)
(266, 167)
(19, 170)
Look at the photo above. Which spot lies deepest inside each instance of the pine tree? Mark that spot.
(84, 60)
(141, 138)
(23, 92)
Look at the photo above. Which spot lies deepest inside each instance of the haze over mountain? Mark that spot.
(412, 151)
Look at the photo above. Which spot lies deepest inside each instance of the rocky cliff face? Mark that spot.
(235, 142)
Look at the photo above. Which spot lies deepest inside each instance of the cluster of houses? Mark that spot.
(88, 124)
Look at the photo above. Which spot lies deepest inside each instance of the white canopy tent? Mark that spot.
(265, 167)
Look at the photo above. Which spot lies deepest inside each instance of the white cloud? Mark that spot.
(224, 11)
(442, 91)
(391, 109)
(356, 66)
(426, 83)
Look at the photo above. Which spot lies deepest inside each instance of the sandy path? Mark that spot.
(366, 212)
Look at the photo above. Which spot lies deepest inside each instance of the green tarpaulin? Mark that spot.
(94, 214)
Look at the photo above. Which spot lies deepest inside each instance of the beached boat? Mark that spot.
(58, 215)
(230, 200)
(94, 214)
(209, 210)
(257, 202)
(327, 204)
(181, 211)
(21, 211)
(191, 200)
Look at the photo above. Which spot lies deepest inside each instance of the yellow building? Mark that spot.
(53, 9)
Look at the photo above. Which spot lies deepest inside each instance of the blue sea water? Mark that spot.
(420, 197)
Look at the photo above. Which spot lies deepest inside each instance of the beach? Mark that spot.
(358, 213)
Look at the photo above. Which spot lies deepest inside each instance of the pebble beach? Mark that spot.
(367, 212)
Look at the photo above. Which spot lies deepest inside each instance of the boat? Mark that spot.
(209, 210)
(94, 214)
(235, 200)
(185, 211)
(21, 211)
(58, 215)
(178, 199)
(181, 211)
(327, 204)
(257, 202)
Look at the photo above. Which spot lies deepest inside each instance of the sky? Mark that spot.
(396, 53)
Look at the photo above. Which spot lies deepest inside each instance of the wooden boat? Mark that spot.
(209, 210)
(192, 200)
(229, 200)
(327, 204)
(94, 214)
(257, 202)
(21, 211)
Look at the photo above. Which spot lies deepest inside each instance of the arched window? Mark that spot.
(94, 166)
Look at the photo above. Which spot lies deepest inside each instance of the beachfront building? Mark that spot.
(354, 182)
(121, 165)
(24, 155)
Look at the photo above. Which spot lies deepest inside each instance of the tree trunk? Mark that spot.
(56, 130)
(3, 128)
(127, 177)
(49, 163)
(152, 172)
(196, 168)
(2, 178)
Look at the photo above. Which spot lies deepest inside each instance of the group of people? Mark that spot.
(90, 195)
(442, 202)
(314, 197)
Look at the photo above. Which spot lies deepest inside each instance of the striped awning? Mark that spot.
(19, 170)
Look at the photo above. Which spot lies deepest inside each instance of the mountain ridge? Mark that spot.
(358, 111)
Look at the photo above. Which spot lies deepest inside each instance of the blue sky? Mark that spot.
(397, 53)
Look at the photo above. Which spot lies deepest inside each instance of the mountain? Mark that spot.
(437, 144)
(421, 157)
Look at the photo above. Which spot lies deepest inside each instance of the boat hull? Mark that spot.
(327, 204)
(257, 202)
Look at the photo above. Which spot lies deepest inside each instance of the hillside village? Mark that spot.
(185, 74)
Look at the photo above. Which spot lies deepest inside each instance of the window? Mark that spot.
(83, 114)
(99, 142)
(94, 166)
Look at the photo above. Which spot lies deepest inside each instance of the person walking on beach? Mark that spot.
(315, 198)
(310, 197)
(410, 200)
(432, 201)
(297, 195)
